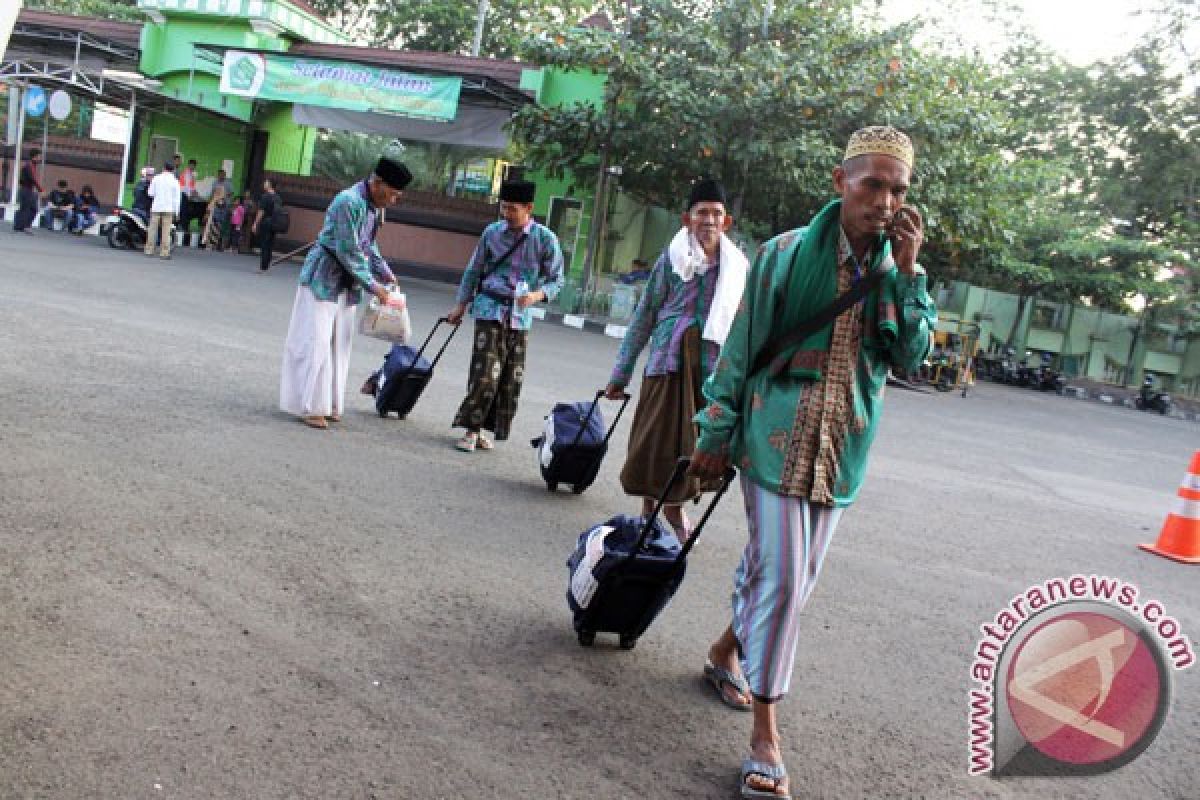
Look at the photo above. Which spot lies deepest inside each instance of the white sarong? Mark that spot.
(316, 356)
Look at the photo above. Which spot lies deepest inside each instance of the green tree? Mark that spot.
(125, 10)
(697, 89)
(448, 26)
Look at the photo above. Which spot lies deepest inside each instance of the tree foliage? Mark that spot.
(696, 90)
(448, 26)
(124, 10)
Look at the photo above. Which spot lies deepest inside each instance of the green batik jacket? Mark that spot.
(758, 420)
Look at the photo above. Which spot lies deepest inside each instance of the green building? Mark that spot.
(1084, 342)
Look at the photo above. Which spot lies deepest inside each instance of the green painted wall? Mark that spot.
(1085, 341)
(209, 145)
(289, 146)
(168, 54)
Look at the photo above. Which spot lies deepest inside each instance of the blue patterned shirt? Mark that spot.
(668, 308)
(538, 262)
(348, 231)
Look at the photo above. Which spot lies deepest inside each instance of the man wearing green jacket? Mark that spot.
(801, 430)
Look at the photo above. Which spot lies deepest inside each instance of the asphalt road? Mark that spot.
(202, 598)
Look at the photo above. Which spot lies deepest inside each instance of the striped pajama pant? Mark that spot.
(779, 568)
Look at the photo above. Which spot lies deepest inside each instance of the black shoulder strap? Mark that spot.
(771, 353)
(496, 264)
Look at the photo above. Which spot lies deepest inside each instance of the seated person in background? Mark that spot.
(141, 194)
(60, 203)
(84, 214)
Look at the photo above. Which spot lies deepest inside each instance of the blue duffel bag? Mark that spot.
(612, 588)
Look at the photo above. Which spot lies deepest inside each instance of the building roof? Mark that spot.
(502, 71)
(127, 34)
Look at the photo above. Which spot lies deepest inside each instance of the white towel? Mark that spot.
(689, 260)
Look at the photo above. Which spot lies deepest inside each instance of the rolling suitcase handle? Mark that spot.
(587, 417)
(428, 339)
(681, 467)
(445, 344)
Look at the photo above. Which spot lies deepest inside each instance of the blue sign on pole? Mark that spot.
(35, 101)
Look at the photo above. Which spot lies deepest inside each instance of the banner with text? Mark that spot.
(339, 84)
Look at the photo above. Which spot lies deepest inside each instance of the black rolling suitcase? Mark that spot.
(405, 374)
(624, 571)
(574, 443)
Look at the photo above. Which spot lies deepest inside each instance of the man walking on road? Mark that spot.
(800, 429)
(685, 312)
(344, 261)
(517, 263)
(164, 190)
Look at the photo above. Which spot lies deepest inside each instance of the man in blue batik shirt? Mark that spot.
(343, 262)
(517, 263)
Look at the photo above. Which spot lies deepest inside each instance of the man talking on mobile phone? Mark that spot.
(794, 402)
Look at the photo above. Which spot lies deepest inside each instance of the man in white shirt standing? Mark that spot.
(165, 191)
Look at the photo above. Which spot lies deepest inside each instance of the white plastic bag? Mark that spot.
(385, 322)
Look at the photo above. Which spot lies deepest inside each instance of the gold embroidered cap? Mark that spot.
(880, 140)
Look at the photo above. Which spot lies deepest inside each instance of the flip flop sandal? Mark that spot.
(776, 773)
(719, 678)
(484, 443)
(467, 443)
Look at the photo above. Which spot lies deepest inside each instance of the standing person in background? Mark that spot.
(343, 262)
(684, 314)
(187, 187)
(166, 197)
(517, 263)
(262, 226)
(28, 192)
(800, 428)
(141, 194)
(237, 218)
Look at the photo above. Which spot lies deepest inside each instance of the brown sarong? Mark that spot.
(494, 384)
(663, 430)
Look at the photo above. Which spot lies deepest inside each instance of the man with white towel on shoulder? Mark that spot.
(684, 315)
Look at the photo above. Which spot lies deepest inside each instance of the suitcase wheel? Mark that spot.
(587, 638)
(552, 486)
(578, 488)
(383, 414)
(628, 642)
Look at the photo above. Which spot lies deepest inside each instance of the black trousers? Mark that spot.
(27, 207)
(266, 241)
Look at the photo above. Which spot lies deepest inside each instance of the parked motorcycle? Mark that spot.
(1048, 378)
(1026, 374)
(1150, 399)
(126, 229)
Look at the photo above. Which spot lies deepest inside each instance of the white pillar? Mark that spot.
(128, 152)
(17, 96)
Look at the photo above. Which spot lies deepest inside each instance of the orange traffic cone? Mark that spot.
(1180, 537)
